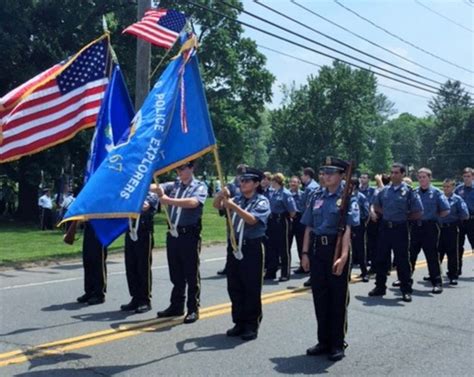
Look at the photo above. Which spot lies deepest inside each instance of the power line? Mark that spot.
(376, 44)
(320, 66)
(400, 38)
(443, 16)
(326, 46)
(279, 37)
(344, 44)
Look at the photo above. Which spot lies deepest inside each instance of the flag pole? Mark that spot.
(233, 241)
(165, 207)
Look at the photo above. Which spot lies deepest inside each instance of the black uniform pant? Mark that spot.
(244, 283)
(465, 229)
(183, 263)
(425, 235)
(138, 259)
(449, 245)
(297, 232)
(46, 219)
(396, 237)
(278, 248)
(372, 233)
(359, 246)
(94, 257)
(330, 295)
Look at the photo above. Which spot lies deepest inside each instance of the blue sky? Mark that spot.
(405, 18)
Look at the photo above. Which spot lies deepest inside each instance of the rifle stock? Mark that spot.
(345, 199)
(71, 233)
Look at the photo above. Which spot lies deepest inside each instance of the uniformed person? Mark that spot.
(94, 256)
(234, 190)
(250, 211)
(372, 226)
(466, 191)
(296, 228)
(329, 277)
(359, 233)
(425, 231)
(267, 192)
(139, 244)
(396, 203)
(282, 208)
(449, 238)
(185, 199)
(45, 204)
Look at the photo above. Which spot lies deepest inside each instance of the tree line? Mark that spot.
(337, 111)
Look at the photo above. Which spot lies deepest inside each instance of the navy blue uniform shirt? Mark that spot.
(467, 193)
(434, 201)
(323, 212)
(298, 198)
(368, 192)
(458, 210)
(259, 207)
(281, 201)
(398, 202)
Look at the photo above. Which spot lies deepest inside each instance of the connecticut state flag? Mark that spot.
(172, 127)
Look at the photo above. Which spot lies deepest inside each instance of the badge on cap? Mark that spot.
(328, 160)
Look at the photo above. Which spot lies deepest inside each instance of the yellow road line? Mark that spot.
(62, 346)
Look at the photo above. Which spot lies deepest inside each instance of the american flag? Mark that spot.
(160, 27)
(56, 104)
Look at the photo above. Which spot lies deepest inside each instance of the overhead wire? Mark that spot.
(443, 16)
(311, 11)
(295, 43)
(344, 44)
(320, 66)
(400, 38)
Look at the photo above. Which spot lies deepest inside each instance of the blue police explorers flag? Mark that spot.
(158, 142)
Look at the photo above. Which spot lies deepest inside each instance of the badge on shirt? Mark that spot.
(318, 203)
(404, 192)
(339, 202)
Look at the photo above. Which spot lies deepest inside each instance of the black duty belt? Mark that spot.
(394, 224)
(188, 229)
(279, 216)
(325, 240)
(449, 225)
(252, 241)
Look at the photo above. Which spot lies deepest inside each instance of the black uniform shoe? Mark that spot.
(426, 278)
(143, 308)
(406, 297)
(365, 278)
(377, 292)
(371, 271)
(437, 290)
(130, 307)
(453, 282)
(83, 299)
(222, 272)
(336, 354)
(249, 334)
(95, 300)
(269, 276)
(299, 270)
(396, 283)
(170, 312)
(191, 317)
(307, 283)
(317, 350)
(237, 330)
(283, 278)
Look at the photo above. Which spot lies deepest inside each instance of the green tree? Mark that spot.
(381, 156)
(406, 143)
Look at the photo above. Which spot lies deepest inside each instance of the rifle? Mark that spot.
(71, 233)
(345, 202)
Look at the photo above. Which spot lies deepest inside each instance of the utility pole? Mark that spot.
(142, 81)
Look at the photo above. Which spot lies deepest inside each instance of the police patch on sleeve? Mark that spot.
(262, 205)
(355, 207)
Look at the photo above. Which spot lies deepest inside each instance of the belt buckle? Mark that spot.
(390, 224)
(324, 240)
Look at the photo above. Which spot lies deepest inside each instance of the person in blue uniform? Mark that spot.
(267, 192)
(297, 229)
(283, 208)
(425, 231)
(466, 192)
(358, 232)
(185, 199)
(449, 238)
(234, 190)
(249, 211)
(329, 276)
(94, 256)
(372, 226)
(396, 204)
(139, 244)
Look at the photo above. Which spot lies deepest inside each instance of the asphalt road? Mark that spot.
(44, 332)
